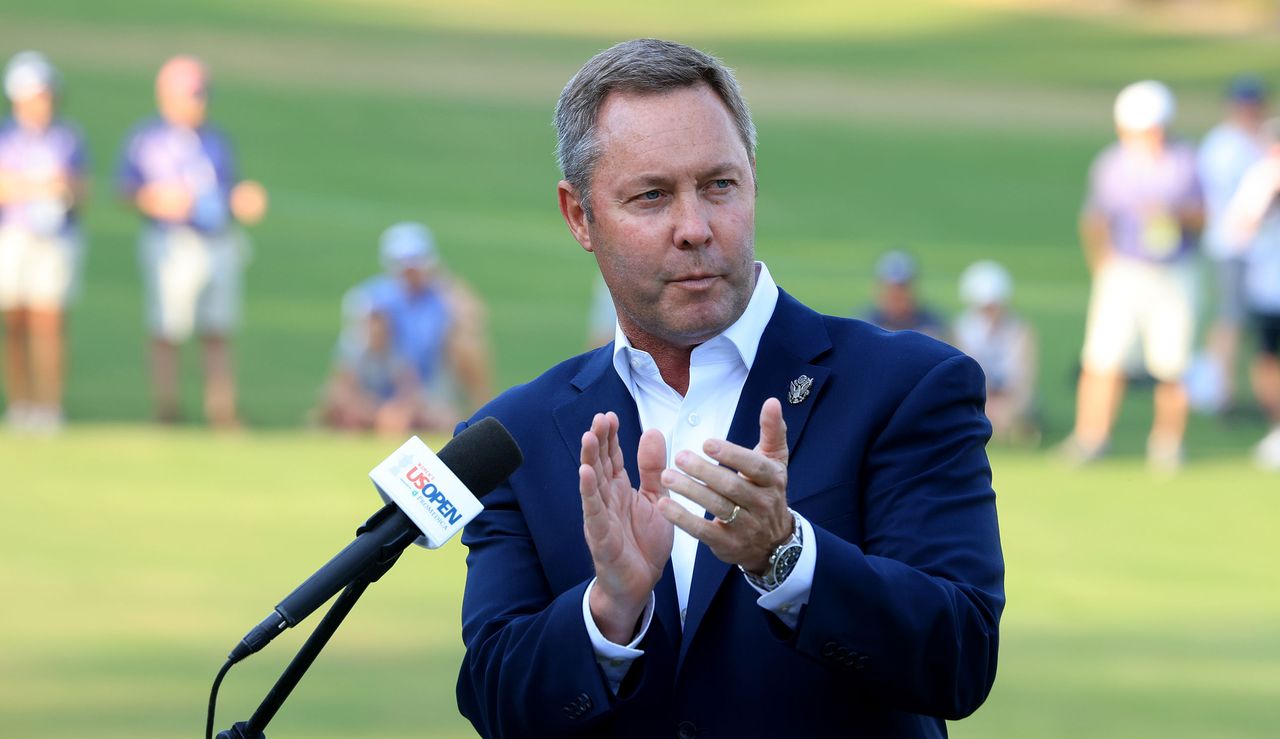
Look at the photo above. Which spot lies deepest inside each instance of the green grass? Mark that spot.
(132, 558)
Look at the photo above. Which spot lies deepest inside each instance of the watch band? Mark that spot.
(782, 561)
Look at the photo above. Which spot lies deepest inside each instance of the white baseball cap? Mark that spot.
(407, 244)
(28, 74)
(985, 283)
(1145, 105)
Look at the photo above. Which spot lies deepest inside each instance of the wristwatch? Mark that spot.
(782, 561)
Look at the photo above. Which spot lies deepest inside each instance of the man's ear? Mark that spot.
(574, 214)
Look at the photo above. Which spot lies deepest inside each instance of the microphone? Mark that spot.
(439, 494)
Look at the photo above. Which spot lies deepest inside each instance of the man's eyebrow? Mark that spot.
(653, 179)
(719, 169)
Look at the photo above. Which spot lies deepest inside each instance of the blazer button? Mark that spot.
(686, 730)
(829, 649)
(584, 700)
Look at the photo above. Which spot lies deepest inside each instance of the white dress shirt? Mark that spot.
(717, 371)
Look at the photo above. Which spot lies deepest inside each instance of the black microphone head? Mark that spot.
(482, 455)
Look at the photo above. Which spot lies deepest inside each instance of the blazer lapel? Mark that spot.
(600, 390)
(794, 336)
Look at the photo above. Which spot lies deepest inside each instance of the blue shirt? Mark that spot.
(420, 321)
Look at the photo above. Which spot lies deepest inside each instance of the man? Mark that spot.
(1004, 346)
(1252, 223)
(436, 325)
(180, 174)
(897, 307)
(1138, 229)
(1229, 149)
(42, 184)
(848, 580)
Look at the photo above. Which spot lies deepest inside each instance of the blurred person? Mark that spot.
(437, 321)
(1004, 345)
(1253, 224)
(42, 186)
(602, 318)
(1229, 149)
(1138, 226)
(897, 307)
(374, 388)
(179, 172)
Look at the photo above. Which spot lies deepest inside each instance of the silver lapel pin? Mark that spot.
(799, 389)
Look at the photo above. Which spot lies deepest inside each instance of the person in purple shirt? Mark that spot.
(179, 172)
(1139, 227)
(42, 183)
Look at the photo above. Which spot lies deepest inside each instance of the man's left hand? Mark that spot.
(751, 481)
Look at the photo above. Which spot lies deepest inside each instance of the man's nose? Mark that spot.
(692, 221)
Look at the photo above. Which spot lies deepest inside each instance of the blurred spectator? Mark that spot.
(603, 319)
(1253, 222)
(373, 387)
(42, 184)
(1004, 345)
(180, 174)
(1138, 229)
(1227, 151)
(437, 323)
(896, 307)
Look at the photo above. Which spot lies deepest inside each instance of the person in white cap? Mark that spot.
(1139, 225)
(179, 172)
(1004, 345)
(436, 325)
(42, 186)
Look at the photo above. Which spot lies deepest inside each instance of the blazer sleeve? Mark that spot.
(529, 668)
(912, 615)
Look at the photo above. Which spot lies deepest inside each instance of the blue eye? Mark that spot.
(722, 184)
(652, 195)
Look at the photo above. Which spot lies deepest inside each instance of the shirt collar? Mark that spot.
(744, 334)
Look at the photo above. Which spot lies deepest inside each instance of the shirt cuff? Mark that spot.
(787, 599)
(615, 659)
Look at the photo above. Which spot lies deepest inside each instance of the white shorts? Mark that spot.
(38, 271)
(1135, 300)
(192, 281)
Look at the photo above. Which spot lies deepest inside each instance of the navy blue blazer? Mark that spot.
(888, 463)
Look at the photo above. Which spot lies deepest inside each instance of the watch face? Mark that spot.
(786, 562)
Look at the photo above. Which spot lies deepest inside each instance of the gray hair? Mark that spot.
(639, 66)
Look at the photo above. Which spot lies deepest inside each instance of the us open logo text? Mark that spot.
(432, 499)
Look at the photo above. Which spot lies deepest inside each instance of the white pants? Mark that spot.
(1134, 300)
(192, 281)
(38, 271)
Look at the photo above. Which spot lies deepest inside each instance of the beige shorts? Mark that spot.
(38, 271)
(1136, 301)
(192, 281)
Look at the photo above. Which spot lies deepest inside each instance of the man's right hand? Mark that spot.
(165, 202)
(630, 541)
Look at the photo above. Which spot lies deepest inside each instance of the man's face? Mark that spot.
(34, 112)
(897, 299)
(182, 106)
(674, 215)
(1145, 140)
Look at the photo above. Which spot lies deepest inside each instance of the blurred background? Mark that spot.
(133, 556)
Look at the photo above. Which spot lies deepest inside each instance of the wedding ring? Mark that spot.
(732, 516)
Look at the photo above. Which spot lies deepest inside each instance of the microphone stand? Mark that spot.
(252, 729)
